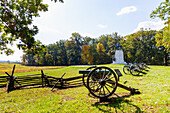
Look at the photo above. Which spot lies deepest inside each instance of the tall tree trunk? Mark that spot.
(166, 58)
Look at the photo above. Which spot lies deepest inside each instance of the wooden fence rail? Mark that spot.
(3, 81)
(27, 80)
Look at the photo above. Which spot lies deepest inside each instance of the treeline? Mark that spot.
(141, 47)
(138, 47)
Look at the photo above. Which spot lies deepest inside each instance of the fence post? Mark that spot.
(45, 77)
(11, 84)
(42, 77)
(10, 80)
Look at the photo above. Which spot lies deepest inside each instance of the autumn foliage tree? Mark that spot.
(101, 53)
(85, 55)
(91, 55)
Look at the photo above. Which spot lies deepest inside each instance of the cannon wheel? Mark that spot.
(102, 82)
(135, 70)
(85, 76)
(143, 66)
(126, 69)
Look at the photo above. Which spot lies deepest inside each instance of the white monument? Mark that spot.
(119, 56)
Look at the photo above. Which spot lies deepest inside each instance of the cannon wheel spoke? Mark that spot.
(84, 78)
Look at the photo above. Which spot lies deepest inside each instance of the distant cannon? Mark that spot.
(134, 69)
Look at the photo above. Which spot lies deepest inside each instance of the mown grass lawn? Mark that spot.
(154, 87)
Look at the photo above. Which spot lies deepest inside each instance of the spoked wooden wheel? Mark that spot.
(102, 82)
(126, 69)
(135, 70)
(85, 76)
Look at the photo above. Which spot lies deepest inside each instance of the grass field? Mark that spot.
(154, 98)
(7, 67)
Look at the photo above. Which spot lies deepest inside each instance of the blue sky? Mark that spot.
(92, 18)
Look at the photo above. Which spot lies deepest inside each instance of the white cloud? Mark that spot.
(102, 26)
(150, 25)
(126, 10)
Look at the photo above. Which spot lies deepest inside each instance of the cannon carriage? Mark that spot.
(102, 81)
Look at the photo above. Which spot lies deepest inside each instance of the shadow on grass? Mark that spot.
(139, 75)
(74, 85)
(142, 73)
(27, 87)
(31, 86)
(117, 103)
(38, 85)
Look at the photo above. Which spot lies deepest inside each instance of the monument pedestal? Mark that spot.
(119, 57)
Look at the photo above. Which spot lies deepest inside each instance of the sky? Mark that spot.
(91, 18)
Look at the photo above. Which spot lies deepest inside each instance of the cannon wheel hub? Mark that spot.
(102, 82)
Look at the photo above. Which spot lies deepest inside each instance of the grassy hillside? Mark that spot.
(7, 67)
(154, 87)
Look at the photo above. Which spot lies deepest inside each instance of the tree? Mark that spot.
(24, 59)
(86, 40)
(163, 11)
(52, 49)
(85, 55)
(101, 53)
(77, 40)
(141, 47)
(91, 55)
(163, 37)
(62, 53)
(70, 45)
(163, 41)
(49, 59)
(16, 17)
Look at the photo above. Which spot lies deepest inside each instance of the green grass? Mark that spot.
(154, 87)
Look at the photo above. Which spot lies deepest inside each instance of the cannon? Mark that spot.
(135, 69)
(102, 82)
